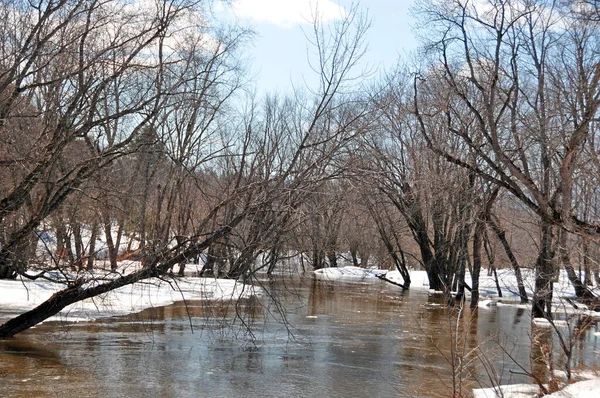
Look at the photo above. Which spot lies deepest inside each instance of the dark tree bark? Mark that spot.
(489, 251)
(544, 275)
(79, 249)
(478, 240)
(581, 290)
(477, 245)
(587, 266)
(273, 257)
(318, 258)
(92, 246)
(208, 269)
(501, 234)
(110, 245)
(354, 255)
(332, 258)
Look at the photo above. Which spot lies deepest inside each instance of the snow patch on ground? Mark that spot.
(418, 279)
(581, 389)
(351, 273)
(508, 391)
(348, 273)
(22, 295)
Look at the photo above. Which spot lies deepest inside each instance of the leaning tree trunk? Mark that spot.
(511, 257)
(273, 257)
(399, 262)
(76, 292)
(581, 290)
(243, 263)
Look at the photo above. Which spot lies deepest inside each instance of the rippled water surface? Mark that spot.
(332, 340)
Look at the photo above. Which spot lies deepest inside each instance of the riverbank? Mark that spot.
(491, 294)
(23, 294)
(589, 388)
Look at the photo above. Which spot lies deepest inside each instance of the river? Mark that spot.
(315, 339)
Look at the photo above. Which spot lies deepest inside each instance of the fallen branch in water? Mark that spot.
(383, 278)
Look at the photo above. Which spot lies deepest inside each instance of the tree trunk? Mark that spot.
(492, 262)
(117, 242)
(181, 272)
(75, 293)
(402, 269)
(31, 253)
(331, 256)
(273, 258)
(48, 308)
(92, 247)
(587, 266)
(79, 250)
(243, 263)
(460, 281)
(318, 258)
(68, 249)
(477, 245)
(544, 274)
(7, 270)
(208, 268)
(511, 257)
(581, 290)
(353, 253)
(110, 245)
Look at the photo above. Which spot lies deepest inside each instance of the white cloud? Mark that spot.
(288, 13)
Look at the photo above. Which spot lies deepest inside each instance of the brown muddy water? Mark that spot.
(331, 340)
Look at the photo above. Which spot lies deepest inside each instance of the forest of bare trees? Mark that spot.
(132, 123)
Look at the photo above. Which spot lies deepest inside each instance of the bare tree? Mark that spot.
(260, 180)
(65, 59)
(507, 65)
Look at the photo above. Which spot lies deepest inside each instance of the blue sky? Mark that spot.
(279, 55)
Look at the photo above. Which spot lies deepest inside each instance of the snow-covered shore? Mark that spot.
(489, 296)
(589, 388)
(17, 296)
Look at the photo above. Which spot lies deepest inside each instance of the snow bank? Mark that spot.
(487, 287)
(20, 296)
(509, 391)
(349, 273)
(581, 389)
(417, 278)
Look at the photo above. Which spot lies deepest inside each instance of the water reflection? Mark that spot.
(335, 340)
